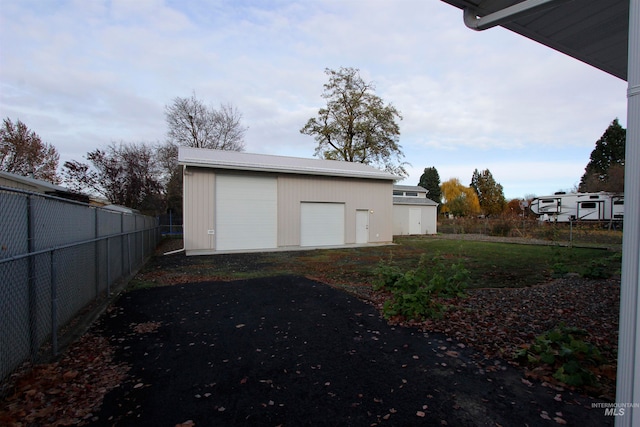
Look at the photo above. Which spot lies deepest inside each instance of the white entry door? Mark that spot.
(362, 226)
(415, 219)
(321, 224)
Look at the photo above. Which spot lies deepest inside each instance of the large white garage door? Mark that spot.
(321, 224)
(246, 212)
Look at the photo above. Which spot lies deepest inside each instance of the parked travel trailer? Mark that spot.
(565, 207)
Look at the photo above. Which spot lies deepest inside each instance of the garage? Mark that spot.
(245, 202)
(413, 211)
(246, 212)
(321, 224)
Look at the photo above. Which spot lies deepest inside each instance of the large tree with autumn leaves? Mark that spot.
(459, 200)
(356, 125)
(22, 152)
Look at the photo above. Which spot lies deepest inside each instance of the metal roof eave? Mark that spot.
(608, 38)
(600, 36)
(290, 170)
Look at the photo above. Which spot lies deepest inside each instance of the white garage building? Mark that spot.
(244, 202)
(413, 212)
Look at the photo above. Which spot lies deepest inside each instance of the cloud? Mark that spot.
(82, 74)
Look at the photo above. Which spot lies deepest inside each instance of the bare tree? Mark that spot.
(171, 176)
(125, 174)
(229, 132)
(193, 124)
(22, 152)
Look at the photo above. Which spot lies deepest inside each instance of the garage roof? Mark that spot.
(410, 188)
(418, 201)
(233, 160)
(593, 31)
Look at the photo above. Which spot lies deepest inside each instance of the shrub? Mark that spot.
(564, 350)
(501, 228)
(559, 269)
(603, 268)
(415, 292)
(386, 275)
(597, 269)
(563, 257)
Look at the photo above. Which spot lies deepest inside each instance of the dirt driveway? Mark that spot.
(291, 351)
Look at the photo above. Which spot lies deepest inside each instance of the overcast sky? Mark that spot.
(85, 73)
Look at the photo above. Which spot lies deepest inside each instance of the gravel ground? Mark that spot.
(483, 331)
(292, 351)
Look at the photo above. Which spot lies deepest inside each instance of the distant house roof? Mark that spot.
(119, 208)
(410, 188)
(26, 183)
(234, 160)
(421, 201)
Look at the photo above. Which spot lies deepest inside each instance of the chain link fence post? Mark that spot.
(57, 258)
(54, 306)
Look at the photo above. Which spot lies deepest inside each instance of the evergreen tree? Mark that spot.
(490, 193)
(430, 180)
(605, 170)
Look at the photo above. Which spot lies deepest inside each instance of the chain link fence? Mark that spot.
(590, 233)
(170, 225)
(57, 257)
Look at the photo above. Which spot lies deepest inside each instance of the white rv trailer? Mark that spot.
(565, 207)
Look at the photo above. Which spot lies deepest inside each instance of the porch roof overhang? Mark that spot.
(593, 31)
(606, 35)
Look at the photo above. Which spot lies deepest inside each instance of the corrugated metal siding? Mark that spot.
(428, 220)
(374, 195)
(199, 211)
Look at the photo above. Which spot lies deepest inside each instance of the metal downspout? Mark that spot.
(628, 376)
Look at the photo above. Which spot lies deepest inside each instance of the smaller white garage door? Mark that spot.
(321, 224)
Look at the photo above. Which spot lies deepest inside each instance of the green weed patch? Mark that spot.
(564, 350)
(417, 293)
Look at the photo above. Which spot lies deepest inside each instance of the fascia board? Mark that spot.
(289, 170)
